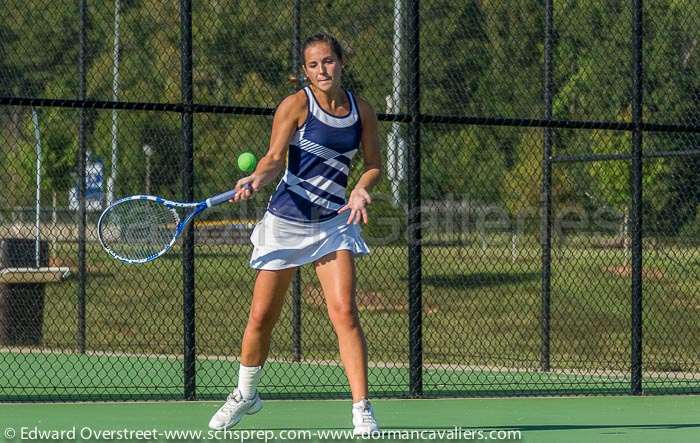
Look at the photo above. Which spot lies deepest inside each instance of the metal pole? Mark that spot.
(148, 174)
(82, 149)
(415, 318)
(296, 41)
(37, 215)
(296, 316)
(115, 96)
(396, 146)
(148, 152)
(546, 223)
(296, 282)
(636, 203)
(189, 354)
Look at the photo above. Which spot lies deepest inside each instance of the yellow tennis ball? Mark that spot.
(247, 162)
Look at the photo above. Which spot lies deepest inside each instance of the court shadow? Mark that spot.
(535, 427)
(389, 431)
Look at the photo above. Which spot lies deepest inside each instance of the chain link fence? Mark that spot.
(536, 231)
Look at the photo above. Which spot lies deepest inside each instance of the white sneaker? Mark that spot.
(363, 419)
(234, 409)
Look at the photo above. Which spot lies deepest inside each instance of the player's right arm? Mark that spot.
(288, 117)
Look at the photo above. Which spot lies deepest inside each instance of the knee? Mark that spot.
(261, 319)
(343, 315)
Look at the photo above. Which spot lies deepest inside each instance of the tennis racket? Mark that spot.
(141, 228)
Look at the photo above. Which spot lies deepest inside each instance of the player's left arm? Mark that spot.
(371, 157)
(372, 161)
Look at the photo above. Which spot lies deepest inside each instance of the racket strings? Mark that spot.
(139, 229)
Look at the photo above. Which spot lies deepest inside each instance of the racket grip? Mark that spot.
(220, 198)
(223, 197)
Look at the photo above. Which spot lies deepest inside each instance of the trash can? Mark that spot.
(21, 304)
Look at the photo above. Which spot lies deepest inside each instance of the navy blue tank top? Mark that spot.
(318, 163)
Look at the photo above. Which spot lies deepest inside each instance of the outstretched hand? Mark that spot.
(357, 205)
(245, 188)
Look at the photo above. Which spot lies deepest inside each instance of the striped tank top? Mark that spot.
(318, 163)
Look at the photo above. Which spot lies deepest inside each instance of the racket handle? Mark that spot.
(223, 197)
(220, 198)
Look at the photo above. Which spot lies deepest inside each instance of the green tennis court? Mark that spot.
(600, 418)
(582, 419)
(112, 376)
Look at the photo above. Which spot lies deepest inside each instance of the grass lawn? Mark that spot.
(481, 316)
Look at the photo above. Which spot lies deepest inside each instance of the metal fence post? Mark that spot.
(188, 195)
(82, 151)
(414, 205)
(636, 209)
(546, 221)
(296, 282)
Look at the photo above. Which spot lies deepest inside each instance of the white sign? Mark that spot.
(94, 181)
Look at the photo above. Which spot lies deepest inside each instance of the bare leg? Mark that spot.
(336, 272)
(265, 309)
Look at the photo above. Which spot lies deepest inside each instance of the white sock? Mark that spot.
(248, 378)
(360, 404)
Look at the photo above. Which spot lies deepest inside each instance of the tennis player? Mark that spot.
(316, 132)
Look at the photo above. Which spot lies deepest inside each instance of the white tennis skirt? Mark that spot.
(279, 243)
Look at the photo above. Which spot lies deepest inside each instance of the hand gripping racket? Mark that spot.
(141, 228)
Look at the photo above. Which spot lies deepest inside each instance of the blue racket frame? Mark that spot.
(172, 205)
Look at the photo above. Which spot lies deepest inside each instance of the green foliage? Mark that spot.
(522, 184)
(456, 61)
(464, 164)
(692, 229)
(60, 150)
(480, 58)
